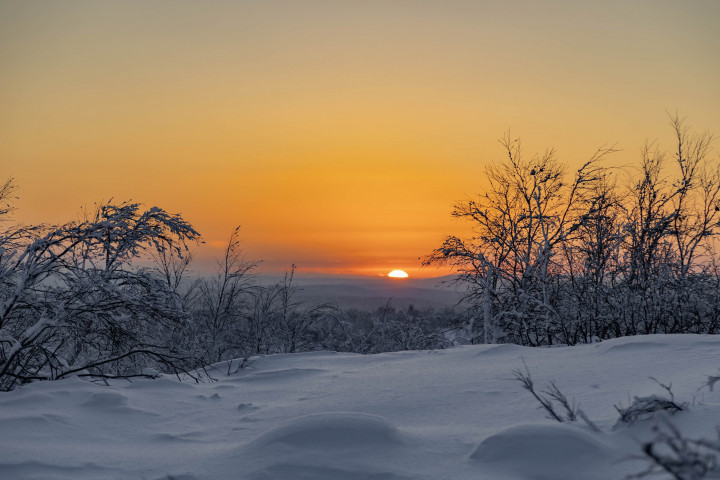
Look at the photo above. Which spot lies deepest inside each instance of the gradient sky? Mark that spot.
(338, 134)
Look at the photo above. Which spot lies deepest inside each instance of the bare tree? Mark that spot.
(696, 205)
(528, 210)
(672, 219)
(593, 262)
(222, 303)
(279, 322)
(7, 191)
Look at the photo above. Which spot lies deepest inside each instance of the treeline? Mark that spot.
(566, 259)
(110, 296)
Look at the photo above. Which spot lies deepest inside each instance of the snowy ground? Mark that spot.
(447, 414)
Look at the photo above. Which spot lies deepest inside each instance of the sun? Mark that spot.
(397, 274)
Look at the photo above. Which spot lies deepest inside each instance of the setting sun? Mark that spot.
(397, 274)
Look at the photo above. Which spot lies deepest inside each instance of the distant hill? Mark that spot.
(370, 293)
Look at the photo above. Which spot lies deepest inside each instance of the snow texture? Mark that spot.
(453, 413)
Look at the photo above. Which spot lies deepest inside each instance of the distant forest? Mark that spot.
(556, 258)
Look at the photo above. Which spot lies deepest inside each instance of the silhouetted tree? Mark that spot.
(554, 259)
(528, 210)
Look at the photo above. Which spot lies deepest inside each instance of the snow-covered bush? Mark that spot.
(644, 408)
(553, 400)
(72, 302)
(552, 394)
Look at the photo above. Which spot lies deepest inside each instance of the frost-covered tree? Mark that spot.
(72, 301)
(528, 210)
(673, 213)
(564, 259)
(591, 266)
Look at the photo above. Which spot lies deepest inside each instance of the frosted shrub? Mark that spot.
(72, 303)
(682, 458)
(643, 408)
(551, 398)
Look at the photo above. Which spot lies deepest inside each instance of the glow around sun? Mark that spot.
(397, 274)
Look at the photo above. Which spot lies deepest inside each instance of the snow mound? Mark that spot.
(503, 349)
(635, 346)
(552, 452)
(33, 469)
(280, 375)
(164, 382)
(324, 432)
(38, 423)
(326, 446)
(27, 400)
(292, 471)
(176, 437)
(109, 403)
(105, 400)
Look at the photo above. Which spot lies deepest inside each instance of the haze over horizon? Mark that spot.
(338, 134)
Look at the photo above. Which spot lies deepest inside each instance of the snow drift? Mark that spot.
(453, 413)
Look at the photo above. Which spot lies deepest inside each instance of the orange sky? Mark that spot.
(338, 134)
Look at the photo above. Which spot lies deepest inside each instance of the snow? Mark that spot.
(454, 413)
